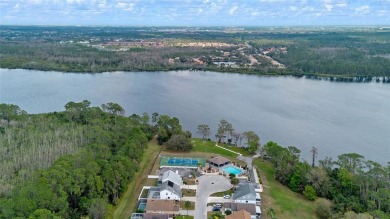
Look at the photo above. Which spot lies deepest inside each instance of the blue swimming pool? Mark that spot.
(142, 206)
(232, 169)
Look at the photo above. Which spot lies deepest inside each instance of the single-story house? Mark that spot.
(219, 161)
(251, 208)
(159, 206)
(173, 177)
(241, 214)
(245, 193)
(169, 190)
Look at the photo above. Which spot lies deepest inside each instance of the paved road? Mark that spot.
(208, 184)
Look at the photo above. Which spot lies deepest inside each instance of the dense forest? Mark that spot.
(79, 162)
(329, 52)
(73, 163)
(352, 183)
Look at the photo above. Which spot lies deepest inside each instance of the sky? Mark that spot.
(195, 12)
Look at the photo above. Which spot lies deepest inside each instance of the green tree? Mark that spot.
(234, 181)
(43, 214)
(9, 112)
(167, 127)
(216, 215)
(113, 108)
(310, 193)
(204, 130)
(179, 143)
(155, 118)
(252, 140)
(98, 209)
(187, 205)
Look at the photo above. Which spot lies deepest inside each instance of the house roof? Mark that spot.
(251, 208)
(161, 205)
(241, 214)
(173, 177)
(175, 189)
(219, 160)
(155, 216)
(245, 191)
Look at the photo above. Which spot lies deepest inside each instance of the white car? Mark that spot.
(217, 205)
(226, 196)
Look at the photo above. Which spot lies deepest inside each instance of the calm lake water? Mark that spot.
(335, 117)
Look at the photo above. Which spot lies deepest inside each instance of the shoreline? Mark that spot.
(331, 78)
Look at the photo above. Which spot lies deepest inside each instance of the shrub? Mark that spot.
(323, 208)
(310, 193)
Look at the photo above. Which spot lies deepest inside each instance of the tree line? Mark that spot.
(74, 163)
(227, 134)
(351, 183)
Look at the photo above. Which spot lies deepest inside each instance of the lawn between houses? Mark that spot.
(285, 202)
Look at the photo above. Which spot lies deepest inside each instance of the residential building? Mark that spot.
(173, 177)
(245, 193)
(251, 208)
(241, 214)
(169, 190)
(159, 206)
(219, 161)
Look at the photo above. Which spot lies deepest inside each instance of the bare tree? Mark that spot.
(314, 152)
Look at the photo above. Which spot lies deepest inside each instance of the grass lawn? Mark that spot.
(201, 145)
(182, 205)
(145, 193)
(221, 194)
(128, 201)
(285, 202)
(187, 181)
(236, 149)
(189, 192)
(184, 217)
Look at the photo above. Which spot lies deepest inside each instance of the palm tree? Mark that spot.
(271, 213)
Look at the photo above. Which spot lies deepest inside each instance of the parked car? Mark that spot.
(226, 196)
(217, 205)
(216, 209)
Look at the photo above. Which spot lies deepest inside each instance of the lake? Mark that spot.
(332, 116)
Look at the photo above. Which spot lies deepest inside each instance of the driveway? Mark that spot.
(207, 185)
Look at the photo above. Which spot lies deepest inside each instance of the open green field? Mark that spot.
(285, 202)
(235, 149)
(184, 217)
(128, 201)
(201, 145)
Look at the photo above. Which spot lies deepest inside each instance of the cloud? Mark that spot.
(125, 6)
(293, 8)
(194, 12)
(362, 10)
(233, 10)
(328, 7)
